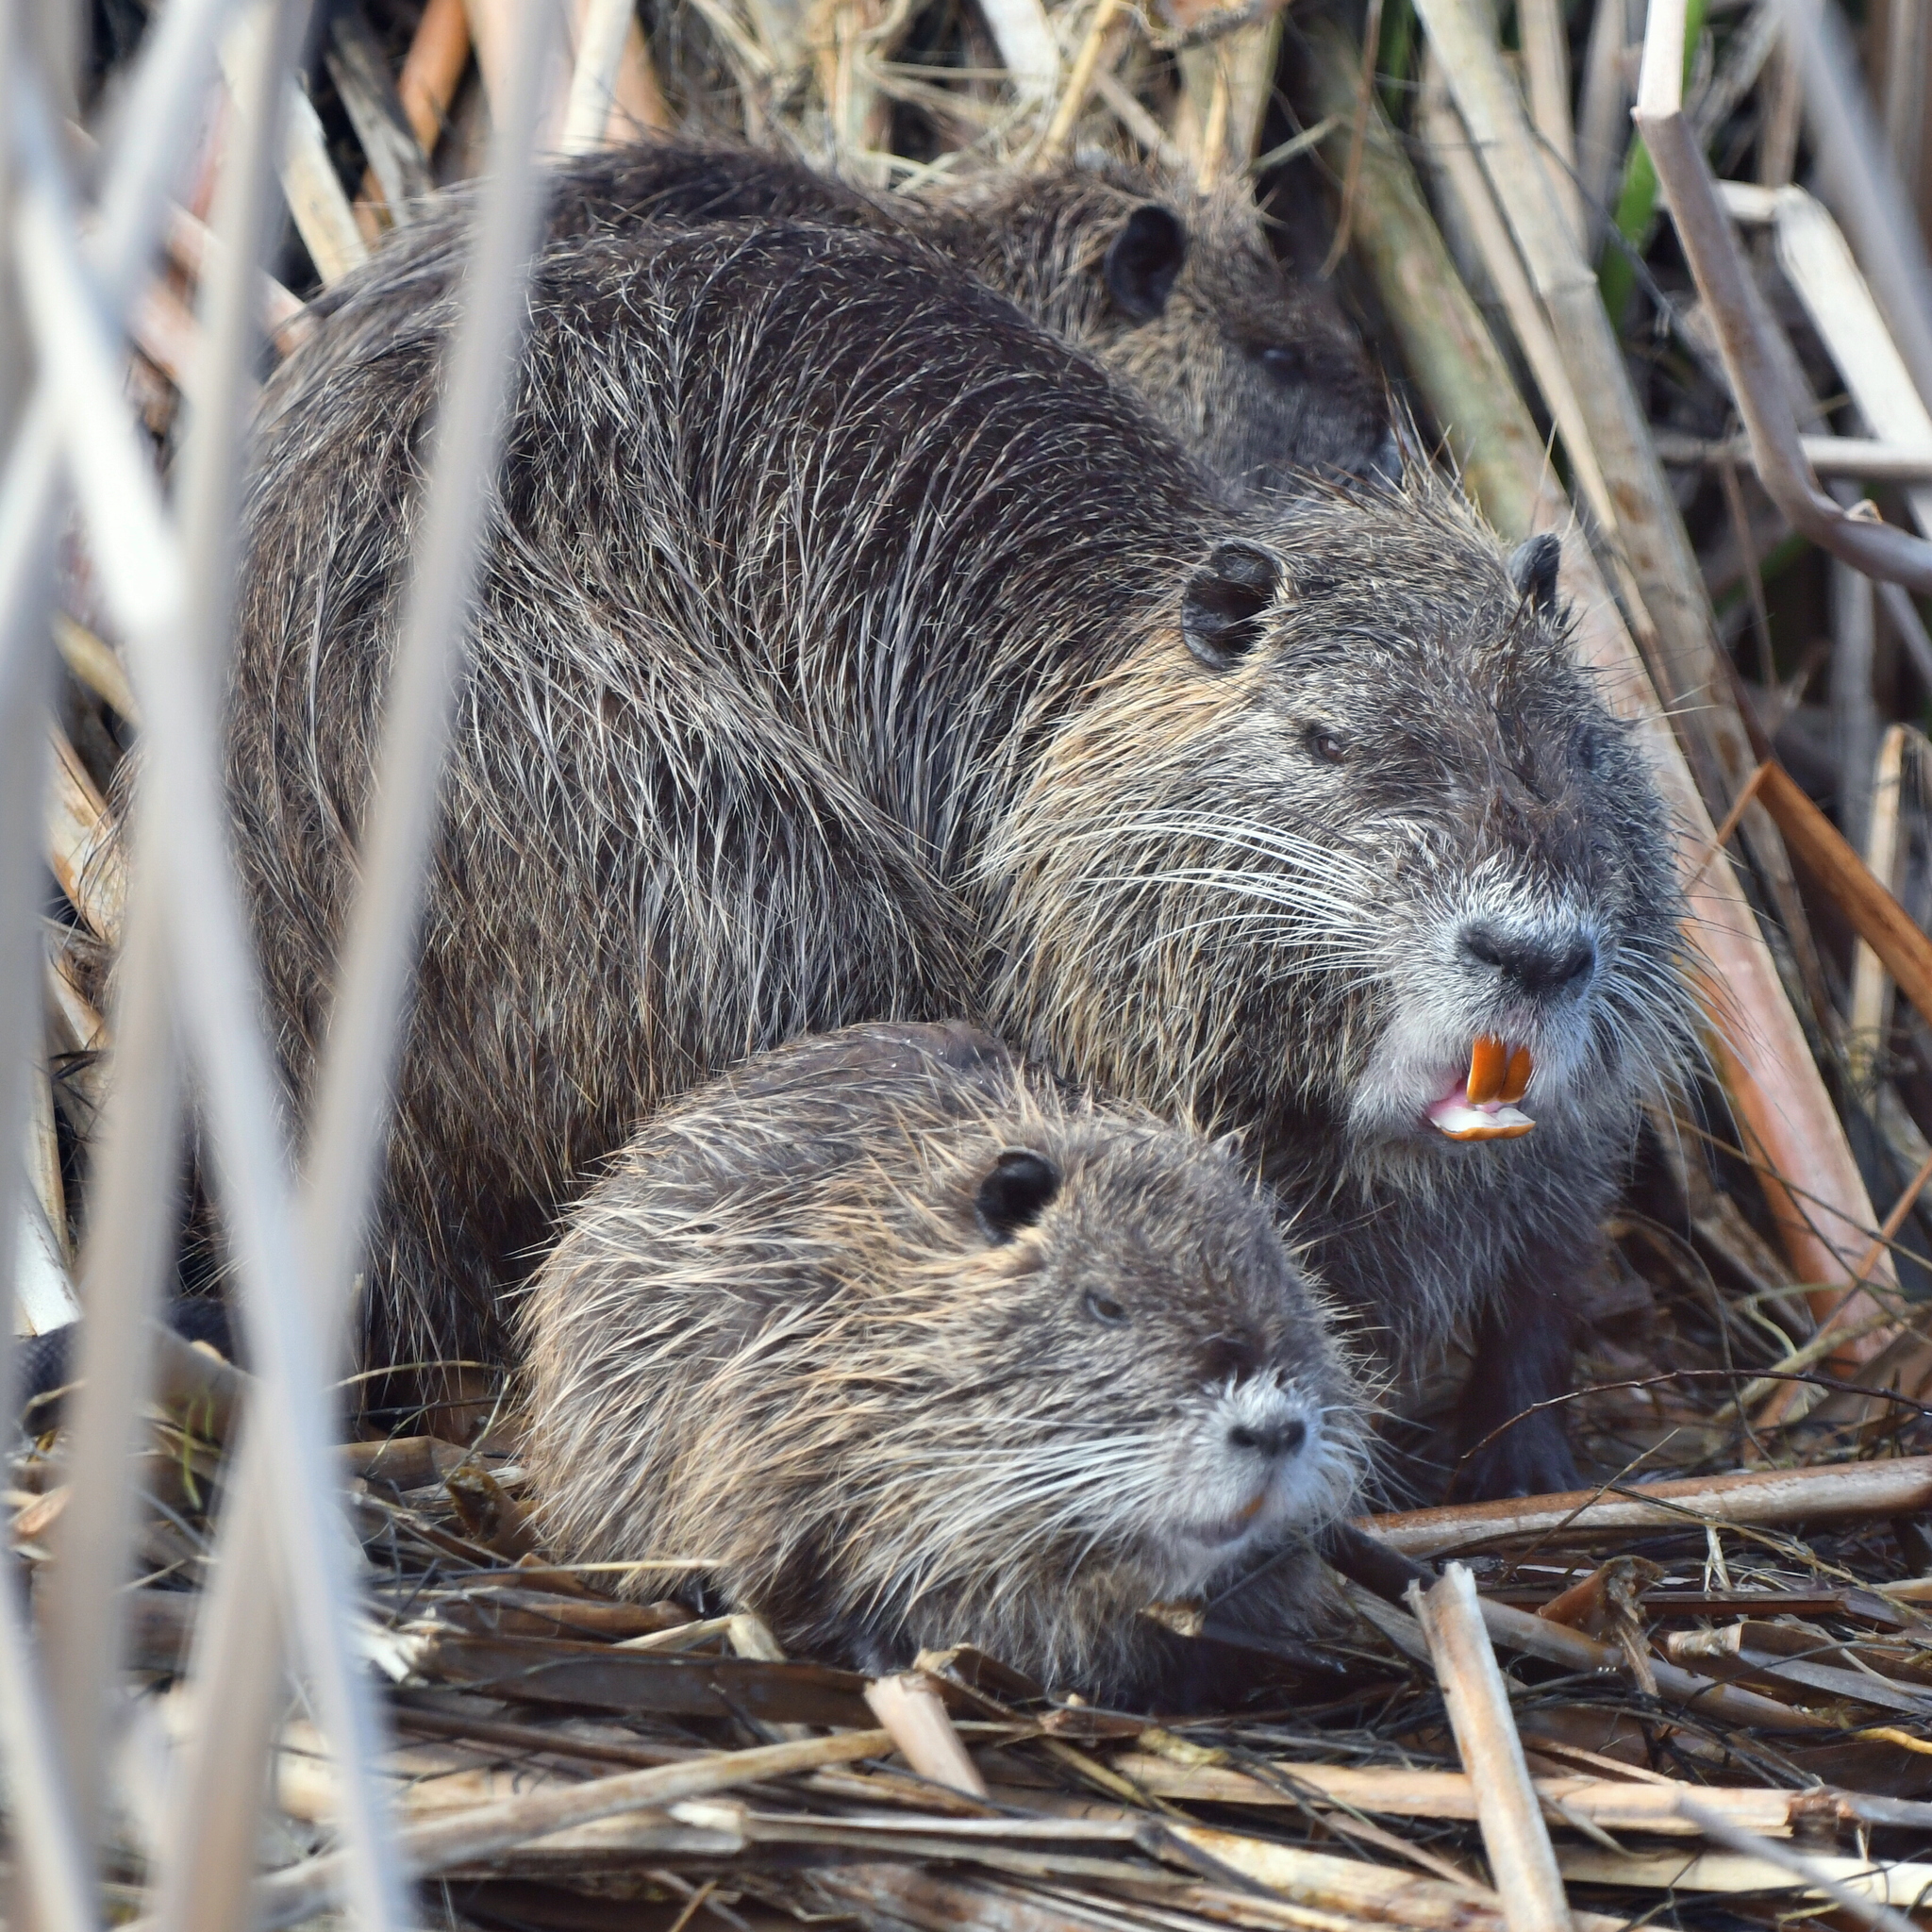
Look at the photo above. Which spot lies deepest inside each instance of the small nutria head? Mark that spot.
(1350, 854)
(1176, 290)
(908, 1352)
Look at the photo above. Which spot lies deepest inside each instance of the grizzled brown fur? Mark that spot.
(821, 677)
(914, 1353)
(1174, 289)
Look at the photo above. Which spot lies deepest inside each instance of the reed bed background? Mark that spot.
(253, 1675)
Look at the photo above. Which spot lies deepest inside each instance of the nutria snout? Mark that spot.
(913, 1352)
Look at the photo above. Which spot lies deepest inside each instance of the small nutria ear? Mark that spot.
(1144, 259)
(1533, 566)
(1014, 1193)
(1222, 607)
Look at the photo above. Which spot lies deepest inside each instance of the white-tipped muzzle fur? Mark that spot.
(1494, 1020)
(1257, 1464)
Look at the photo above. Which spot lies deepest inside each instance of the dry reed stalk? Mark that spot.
(1571, 1650)
(485, 1831)
(1834, 1493)
(1818, 264)
(1885, 925)
(1442, 130)
(1674, 625)
(1853, 705)
(614, 93)
(1359, 133)
(1743, 327)
(190, 248)
(1603, 128)
(914, 1715)
(97, 665)
(43, 1157)
(44, 1296)
(1777, 147)
(1894, 460)
(1763, 1057)
(168, 598)
(492, 28)
(432, 69)
(1859, 181)
(1024, 34)
(163, 328)
(1612, 1804)
(317, 200)
(1868, 1020)
(1546, 68)
(1856, 1336)
(237, 1660)
(1066, 115)
(1477, 1702)
(1722, 1871)
(77, 373)
(75, 1023)
(83, 851)
(1854, 1891)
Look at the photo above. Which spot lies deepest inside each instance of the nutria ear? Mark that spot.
(1145, 258)
(1222, 607)
(1533, 566)
(1014, 1193)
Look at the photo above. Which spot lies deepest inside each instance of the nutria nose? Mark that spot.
(1543, 965)
(1278, 1439)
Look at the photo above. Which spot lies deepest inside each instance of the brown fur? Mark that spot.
(819, 676)
(1256, 373)
(783, 1337)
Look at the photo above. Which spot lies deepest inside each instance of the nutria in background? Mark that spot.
(914, 1353)
(1176, 290)
(819, 676)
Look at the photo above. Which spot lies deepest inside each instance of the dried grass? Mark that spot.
(1715, 1702)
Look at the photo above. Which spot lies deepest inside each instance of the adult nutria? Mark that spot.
(821, 677)
(1174, 289)
(912, 1352)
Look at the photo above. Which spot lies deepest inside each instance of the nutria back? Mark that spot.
(819, 677)
(1173, 288)
(912, 1352)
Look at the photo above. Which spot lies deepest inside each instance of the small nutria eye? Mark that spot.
(1106, 1310)
(1327, 744)
(1283, 365)
(1015, 1193)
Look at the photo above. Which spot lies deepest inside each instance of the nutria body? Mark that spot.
(1173, 289)
(818, 678)
(915, 1354)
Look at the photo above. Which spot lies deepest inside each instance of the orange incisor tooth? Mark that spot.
(1516, 1081)
(1488, 1064)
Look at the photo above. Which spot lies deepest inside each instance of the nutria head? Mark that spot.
(1176, 290)
(910, 1353)
(1351, 855)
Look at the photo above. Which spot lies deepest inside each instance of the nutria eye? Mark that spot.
(1014, 1193)
(1327, 744)
(1106, 1310)
(1283, 365)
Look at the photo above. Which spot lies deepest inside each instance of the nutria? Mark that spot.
(913, 1353)
(819, 677)
(1174, 289)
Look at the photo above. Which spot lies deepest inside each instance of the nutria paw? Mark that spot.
(1529, 1457)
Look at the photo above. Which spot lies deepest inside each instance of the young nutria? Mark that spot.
(913, 1353)
(1174, 289)
(850, 649)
